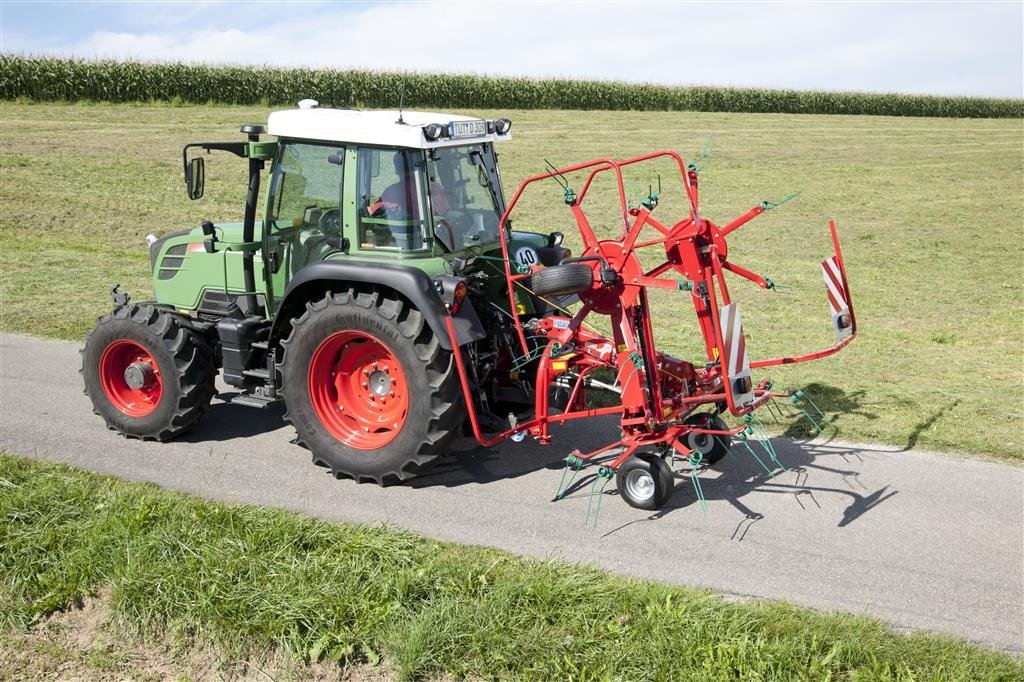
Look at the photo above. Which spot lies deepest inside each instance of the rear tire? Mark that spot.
(368, 388)
(645, 481)
(147, 372)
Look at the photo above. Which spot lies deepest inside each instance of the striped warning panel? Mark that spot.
(838, 298)
(732, 340)
(735, 361)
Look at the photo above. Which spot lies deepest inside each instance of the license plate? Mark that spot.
(467, 129)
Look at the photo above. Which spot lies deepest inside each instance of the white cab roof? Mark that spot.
(368, 127)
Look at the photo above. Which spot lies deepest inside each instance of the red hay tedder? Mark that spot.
(660, 394)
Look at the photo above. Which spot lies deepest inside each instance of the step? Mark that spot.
(254, 401)
(257, 373)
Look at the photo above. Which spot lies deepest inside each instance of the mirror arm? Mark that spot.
(236, 148)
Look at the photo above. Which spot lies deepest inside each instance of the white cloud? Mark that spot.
(944, 48)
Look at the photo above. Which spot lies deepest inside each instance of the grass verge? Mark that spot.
(247, 579)
(929, 210)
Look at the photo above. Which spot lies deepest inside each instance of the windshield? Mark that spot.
(465, 195)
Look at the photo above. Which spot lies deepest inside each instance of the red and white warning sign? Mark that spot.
(735, 361)
(838, 297)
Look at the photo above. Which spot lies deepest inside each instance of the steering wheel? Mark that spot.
(330, 221)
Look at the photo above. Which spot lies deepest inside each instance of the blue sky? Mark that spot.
(955, 48)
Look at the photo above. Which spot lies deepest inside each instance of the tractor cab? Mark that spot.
(342, 185)
(388, 183)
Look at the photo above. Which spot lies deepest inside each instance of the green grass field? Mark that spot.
(930, 210)
(245, 580)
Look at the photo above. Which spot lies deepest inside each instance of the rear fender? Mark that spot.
(314, 281)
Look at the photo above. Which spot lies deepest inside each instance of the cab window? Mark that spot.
(390, 205)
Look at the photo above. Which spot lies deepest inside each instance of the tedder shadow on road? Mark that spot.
(731, 480)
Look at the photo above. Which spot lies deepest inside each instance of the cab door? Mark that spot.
(304, 206)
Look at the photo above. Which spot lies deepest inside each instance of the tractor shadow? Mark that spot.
(469, 463)
(227, 421)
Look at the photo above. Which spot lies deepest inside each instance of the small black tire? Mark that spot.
(645, 481)
(178, 380)
(562, 280)
(361, 321)
(712, 448)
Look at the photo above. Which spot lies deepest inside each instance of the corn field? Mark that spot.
(57, 79)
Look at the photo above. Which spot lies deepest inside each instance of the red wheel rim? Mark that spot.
(130, 378)
(358, 390)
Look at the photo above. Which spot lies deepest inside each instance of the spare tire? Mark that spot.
(561, 280)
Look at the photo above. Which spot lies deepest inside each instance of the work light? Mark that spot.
(433, 131)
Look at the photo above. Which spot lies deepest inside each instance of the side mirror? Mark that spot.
(195, 177)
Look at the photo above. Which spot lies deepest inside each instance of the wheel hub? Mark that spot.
(380, 382)
(640, 484)
(130, 378)
(701, 442)
(139, 375)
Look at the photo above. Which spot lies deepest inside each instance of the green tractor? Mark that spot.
(376, 226)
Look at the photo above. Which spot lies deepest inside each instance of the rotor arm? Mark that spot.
(743, 219)
(762, 282)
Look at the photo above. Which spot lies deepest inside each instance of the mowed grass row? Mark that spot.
(51, 78)
(248, 579)
(930, 212)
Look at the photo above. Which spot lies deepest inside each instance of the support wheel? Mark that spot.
(147, 372)
(712, 448)
(368, 388)
(645, 481)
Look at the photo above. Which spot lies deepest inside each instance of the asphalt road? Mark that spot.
(922, 541)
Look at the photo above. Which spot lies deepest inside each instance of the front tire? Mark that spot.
(147, 372)
(368, 388)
